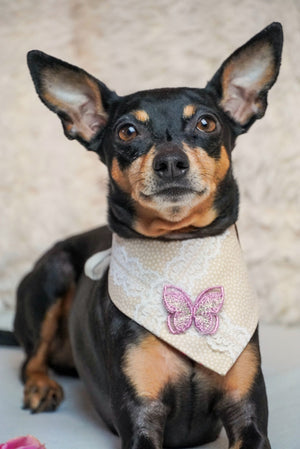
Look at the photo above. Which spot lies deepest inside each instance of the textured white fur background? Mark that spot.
(51, 188)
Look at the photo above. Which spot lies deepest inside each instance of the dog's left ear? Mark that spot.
(244, 79)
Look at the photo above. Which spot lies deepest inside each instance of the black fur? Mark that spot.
(7, 338)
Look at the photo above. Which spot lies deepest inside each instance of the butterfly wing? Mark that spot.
(180, 308)
(206, 308)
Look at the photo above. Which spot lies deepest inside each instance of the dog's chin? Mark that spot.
(174, 203)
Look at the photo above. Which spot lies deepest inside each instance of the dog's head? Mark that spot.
(168, 151)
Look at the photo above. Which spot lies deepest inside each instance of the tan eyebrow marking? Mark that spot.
(189, 110)
(141, 115)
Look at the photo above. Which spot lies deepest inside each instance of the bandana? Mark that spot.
(193, 294)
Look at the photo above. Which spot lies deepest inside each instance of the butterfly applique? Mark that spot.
(182, 311)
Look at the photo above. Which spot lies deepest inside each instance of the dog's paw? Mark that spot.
(42, 394)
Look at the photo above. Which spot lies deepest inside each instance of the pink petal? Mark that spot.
(27, 442)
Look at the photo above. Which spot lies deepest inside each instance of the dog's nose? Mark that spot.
(171, 164)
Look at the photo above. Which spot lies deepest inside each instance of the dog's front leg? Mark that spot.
(245, 424)
(148, 368)
(141, 423)
(245, 415)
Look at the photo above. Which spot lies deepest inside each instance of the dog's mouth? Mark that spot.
(174, 193)
(178, 193)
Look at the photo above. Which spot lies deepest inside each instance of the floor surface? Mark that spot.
(76, 424)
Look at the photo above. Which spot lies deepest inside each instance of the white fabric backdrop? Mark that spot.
(51, 188)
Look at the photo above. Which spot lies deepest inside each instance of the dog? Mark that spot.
(171, 189)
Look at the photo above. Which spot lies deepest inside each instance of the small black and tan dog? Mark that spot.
(168, 154)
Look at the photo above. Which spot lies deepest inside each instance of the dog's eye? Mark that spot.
(207, 124)
(127, 133)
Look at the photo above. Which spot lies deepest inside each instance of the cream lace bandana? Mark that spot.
(193, 294)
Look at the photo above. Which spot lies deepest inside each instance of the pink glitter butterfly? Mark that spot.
(182, 311)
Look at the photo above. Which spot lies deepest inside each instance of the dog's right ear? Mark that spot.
(80, 100)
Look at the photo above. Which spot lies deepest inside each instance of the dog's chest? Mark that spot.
(152, 365)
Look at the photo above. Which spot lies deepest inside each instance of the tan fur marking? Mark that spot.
(141, 115)
(41, 392)
(39, 389)
(151, 365)
(239, 380)
(60, 352)
(237, 445)
(152, 225)
(222, 164)
(55, 316)
(210, 169)
(38, 362)
(189, 110)
(120, 177)
(131, 179)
